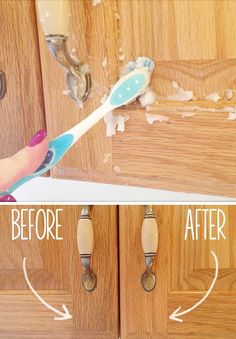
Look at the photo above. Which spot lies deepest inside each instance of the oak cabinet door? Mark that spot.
(185, 270)
(191, 42)
(22, 107)
(55, 272)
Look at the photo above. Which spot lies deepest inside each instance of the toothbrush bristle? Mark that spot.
(144, 62)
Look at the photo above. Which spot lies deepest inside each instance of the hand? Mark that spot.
(23, 163)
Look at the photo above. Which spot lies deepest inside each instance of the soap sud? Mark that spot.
(229, 109)
(181, 94)
(139, 62)
(150, 118)
(213, 97)
(80, 103)
(115, 123)
(229, 93)
(232, 116)
(187, 114)
(66, 92)
(117, 169)
(175, 85)
(121, 54)
(75, 59)
(104, 63)
(104, 98)
(142, 62)
(106, 158)
(85, 69)
(147, 98)
(117, 16)
(96, 2)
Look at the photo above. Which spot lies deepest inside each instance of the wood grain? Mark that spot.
(178, 30)
(140, 311)
(207, 320)
(184, 271)
(93, 41)
(54, 269)
(22, 109)
(191, 42)
(194, 261)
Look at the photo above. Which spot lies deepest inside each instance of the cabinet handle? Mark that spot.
(54, 18)
(85, 241)
(3, 87)
(149, 239)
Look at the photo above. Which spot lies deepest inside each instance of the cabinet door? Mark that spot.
(55, 272)
(185, 270)
(22, 108)
(191, 42)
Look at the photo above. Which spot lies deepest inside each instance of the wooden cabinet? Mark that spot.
(191, 42)
(22, 108)
(119, 306)
(54, 270)
(185, 270)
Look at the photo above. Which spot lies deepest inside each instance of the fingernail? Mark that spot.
(38, 138)
(7, 198)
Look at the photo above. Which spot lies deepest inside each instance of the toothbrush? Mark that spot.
(127, 88)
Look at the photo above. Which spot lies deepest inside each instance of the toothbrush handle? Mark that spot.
(66, 141)
(81, 128)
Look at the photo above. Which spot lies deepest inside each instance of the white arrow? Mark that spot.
(176, 313)
(63, 315)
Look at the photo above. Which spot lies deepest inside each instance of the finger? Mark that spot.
(25, 162)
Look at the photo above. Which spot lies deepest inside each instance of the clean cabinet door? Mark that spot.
(185, 271)
(22, 107)
(55, 272)
(192, 43)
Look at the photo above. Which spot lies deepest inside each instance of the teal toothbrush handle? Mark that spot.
(125, 90)
(56, 150)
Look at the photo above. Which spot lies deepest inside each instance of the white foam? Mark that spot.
(156, 117)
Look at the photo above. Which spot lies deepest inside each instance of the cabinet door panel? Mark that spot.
(22, 108)
(184, 271)
(191, 42)
(93, 41)
(55, 271)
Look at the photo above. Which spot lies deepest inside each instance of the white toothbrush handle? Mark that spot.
(81, 128)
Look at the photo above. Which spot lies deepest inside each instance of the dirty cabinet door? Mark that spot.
(185, 271)
(192, 43)
(54, 271)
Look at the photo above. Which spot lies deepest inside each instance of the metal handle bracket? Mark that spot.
(85, 247)
(77, 76)
(3, 85)
(149, 237)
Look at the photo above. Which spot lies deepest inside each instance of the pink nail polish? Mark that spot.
(38, 138)
(7, 198)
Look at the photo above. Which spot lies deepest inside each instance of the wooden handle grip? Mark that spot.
(149, 235)
(85, 237)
